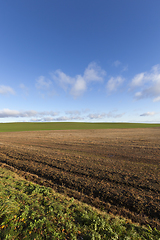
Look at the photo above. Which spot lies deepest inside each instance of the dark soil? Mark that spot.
(116, 170)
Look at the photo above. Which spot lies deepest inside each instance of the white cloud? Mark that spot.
(116, 63)
(125, 68)
(78, 85)
(149, 84)
(35, 120)
(22, 86)
(64, 118)
(138, 94)
(74, 112)
(51, 116)
(138, 80)
(157, 99)
(119, 115)
(43, 83)
(47, 119)
(45, 113)
(94, 73)
(114, 83)
(45, 87)
(112, 114)
(6, 113)
(148, 114)
(96, 116)
(62, 79)
(6, 90)
(27, 113)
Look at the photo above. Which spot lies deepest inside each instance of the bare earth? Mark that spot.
(116, 170)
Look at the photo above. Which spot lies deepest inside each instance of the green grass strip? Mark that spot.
(30, 211)
(13, 127)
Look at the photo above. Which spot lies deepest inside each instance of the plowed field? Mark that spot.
(113, 169)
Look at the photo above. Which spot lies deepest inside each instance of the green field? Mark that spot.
(29, 211)
(16, 127)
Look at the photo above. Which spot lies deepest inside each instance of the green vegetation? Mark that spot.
(13, 127)
(30, 211)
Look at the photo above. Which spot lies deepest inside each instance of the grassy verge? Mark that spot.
(12, 127)
(30, 211)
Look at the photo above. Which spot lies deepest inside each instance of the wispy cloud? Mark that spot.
(94, 73)
(125, 68)
(73, 112)
(113, 83)
(157, 99)
(148, 84)
(138, 80)
(35, 120)
(116, 63)
(6, 113)
(47, 119)
(59, 119)
(45, 113)
(63, 80)
(113, 114)
(65, 118)
(147, 114)
(4, 90)
(43, 83)
(96, 116)
(78, 85)
(24, 89)
(51, 116)
(45, 88)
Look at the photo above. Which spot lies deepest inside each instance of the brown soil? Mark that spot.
(116, 170)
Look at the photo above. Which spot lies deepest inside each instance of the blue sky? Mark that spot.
(80, 60)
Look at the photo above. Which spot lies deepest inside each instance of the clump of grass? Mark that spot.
(30, 211)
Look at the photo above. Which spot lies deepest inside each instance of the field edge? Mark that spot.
(32, 126)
